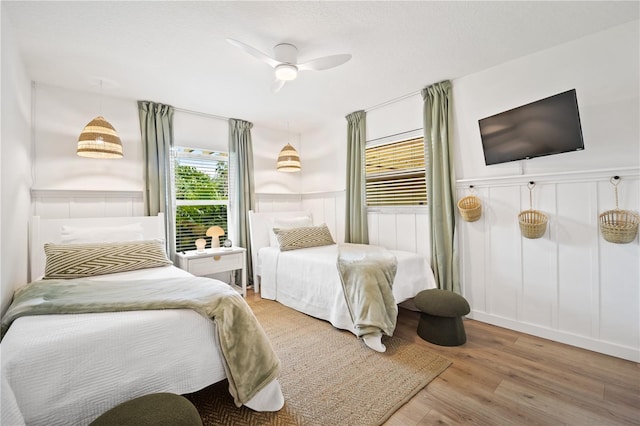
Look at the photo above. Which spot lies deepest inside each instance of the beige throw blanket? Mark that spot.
(250, 361)
(367, 274)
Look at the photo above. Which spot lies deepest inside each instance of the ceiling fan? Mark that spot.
(284, 61)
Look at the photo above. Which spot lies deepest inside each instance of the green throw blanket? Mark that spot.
(250, 361)
(367, 274)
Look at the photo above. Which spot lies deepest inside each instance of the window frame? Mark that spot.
(387, 140)
(181, 151)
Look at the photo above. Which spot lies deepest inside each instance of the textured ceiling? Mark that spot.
(175, 52)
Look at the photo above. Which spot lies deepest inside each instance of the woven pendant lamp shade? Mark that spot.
(99, 140)
(289, 160)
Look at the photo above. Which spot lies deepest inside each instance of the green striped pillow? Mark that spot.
(65, 261)
(303, 237)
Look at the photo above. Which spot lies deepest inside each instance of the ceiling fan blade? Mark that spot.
(277, 85)
(254, 52)
(324, 63)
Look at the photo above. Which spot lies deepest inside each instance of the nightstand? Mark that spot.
(214, 260)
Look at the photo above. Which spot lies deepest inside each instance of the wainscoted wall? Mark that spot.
(59, 204)
(394, 228)
(401, 228)
(266, 202)
(571, 285)
(325, 207)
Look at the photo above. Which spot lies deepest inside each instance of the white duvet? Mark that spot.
(308, 281)
(69, 369)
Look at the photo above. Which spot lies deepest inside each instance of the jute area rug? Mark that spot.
(328, 376)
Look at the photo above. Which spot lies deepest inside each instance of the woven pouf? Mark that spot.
(441, 317)
(157, 409)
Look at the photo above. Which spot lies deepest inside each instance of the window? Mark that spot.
(395, 173)
(201, 187)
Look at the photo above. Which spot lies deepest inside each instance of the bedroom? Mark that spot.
(596, 307)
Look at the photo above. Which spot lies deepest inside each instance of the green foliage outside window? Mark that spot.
(193, 220)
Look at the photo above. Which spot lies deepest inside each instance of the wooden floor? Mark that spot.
(502, 377)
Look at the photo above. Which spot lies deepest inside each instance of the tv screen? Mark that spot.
(545, 127)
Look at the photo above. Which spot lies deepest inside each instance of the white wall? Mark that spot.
(15, 163)
(603, 68)
(59, 117)
(324, 158)
(397, 117)
(267, 144)
(200, 131)
(324, 152)
(570, 285)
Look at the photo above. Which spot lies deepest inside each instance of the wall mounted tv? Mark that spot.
(545, 127)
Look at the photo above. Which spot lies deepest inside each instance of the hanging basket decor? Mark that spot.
(470, 207)
(533, 223)
(619, 226)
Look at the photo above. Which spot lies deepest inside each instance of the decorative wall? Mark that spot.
(570, 285)
(394, 228)
(60, 204)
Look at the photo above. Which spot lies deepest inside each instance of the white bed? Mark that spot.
(308, 281)
(69, 369)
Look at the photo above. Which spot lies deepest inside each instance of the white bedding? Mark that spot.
(69, 369)
(308, 281)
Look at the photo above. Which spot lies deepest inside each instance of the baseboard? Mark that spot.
(607, 348)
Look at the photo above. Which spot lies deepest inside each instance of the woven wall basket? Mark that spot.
(470, 208)
(533, 223)
(619, 226)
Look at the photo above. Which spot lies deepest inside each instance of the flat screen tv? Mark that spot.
(545, 127)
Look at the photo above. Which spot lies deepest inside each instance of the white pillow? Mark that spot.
(108, 234)
(287, 223)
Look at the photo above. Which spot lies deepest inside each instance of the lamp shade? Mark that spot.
(289, 160)
(99, 140)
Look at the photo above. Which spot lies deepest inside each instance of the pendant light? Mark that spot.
(99, 139)
(288, 159)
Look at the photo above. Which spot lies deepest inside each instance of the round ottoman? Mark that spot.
(157, 409)
(441, 317)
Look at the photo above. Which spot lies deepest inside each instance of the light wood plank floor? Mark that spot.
(502, 377)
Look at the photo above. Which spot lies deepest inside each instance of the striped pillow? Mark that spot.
(304, 237)
(67, 261)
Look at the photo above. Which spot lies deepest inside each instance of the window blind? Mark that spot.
(395, 174)
(201, 188)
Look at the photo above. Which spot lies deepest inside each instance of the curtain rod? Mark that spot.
(204, 114)
(408, 95)
(219, 117)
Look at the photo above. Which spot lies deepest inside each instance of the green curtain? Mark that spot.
(356, 227)
(156, 128)
(441, 184)
(241, 191)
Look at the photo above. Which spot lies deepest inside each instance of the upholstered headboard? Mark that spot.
(260, 223)
(43, 231)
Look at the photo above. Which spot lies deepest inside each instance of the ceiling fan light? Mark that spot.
(286, 72)
(289, 160)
